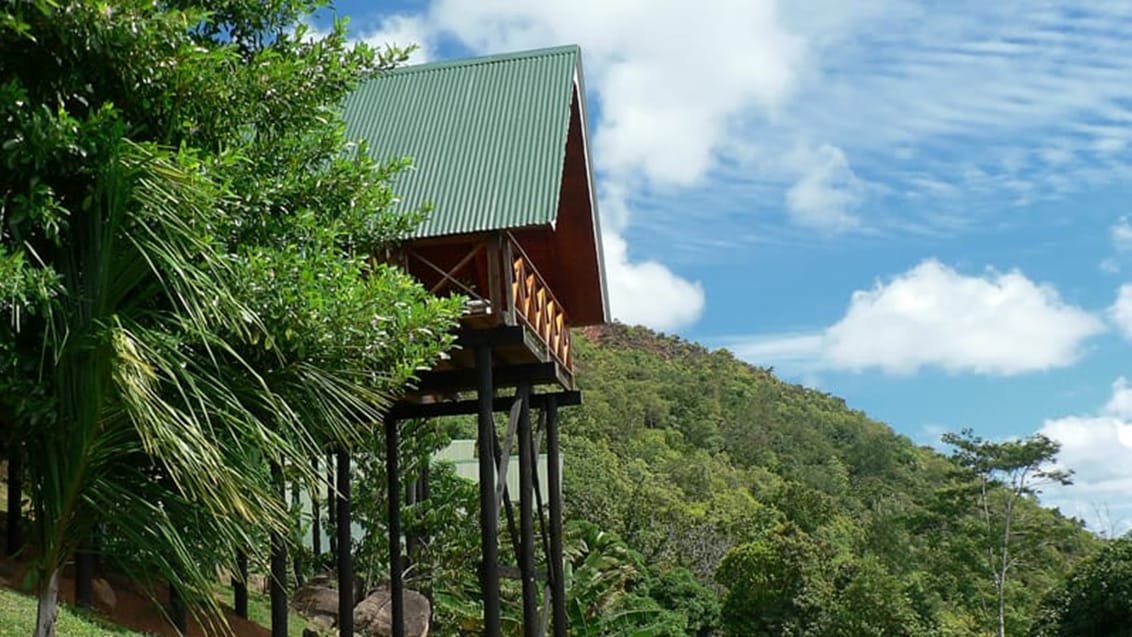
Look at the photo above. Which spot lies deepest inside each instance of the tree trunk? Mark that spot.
(48, 607)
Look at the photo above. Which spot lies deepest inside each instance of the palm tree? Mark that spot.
(192, 306)
(146, 431)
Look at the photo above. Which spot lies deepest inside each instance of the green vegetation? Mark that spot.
(706, 497)
(17, 619)
(186, 273)
(185, 245)
(806, 517)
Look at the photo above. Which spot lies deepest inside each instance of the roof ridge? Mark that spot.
(485, 59)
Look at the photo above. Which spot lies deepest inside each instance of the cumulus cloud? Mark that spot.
(669, 75)
(1098, 447)
(1000, 323)
(402, 30)
(647, 292)
(933, 316)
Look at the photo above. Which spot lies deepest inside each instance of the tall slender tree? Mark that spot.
(1004, 474)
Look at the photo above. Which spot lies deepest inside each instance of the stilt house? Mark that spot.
(500, 154)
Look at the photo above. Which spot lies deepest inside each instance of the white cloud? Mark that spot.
(1121, 232)
(827, 192)
(933, 316)
(1120, 312)
(669, 75)
(402, 30)
(1098, 448)
(648, 293)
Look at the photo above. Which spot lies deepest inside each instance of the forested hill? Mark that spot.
(803, 516)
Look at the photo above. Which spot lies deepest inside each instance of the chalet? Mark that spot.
(500, 155)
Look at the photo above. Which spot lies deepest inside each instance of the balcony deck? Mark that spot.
(510, 307)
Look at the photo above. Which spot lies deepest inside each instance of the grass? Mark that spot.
(17, 619)
(259, 611)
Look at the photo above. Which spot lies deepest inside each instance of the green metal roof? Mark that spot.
(487, 136)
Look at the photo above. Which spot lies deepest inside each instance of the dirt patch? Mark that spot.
(132, 609)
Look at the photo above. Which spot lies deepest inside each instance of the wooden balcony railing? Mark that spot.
(502, 285)
(535, 305)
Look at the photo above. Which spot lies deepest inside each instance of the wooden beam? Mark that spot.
(240, 584)
(409, 411)
(393, 484)
(502, 336)
(554, 489)
(345, 558)
(458, 380)
(489, 513)
(278, 565)
(527, 469)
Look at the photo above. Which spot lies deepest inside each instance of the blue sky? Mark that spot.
(917, 206)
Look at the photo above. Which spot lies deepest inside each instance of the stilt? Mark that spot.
(489, 509)
(331, 509)
(297, 558)
(316, 522)
(345, 559)
(278, 570)
(526, 516)
(178, 614)
(240, 584)
(84, 575)
(554, 489)
(15, 539)
(412, 496)
(396, 583)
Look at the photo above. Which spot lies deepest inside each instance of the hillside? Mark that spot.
(803, 515)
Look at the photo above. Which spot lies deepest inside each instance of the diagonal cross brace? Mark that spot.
(522, 393)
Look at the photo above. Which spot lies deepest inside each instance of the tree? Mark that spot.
(1094, 600)
(185, 261)
(1004, 474)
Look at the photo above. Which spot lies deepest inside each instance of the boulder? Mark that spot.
(104, 596)
(317, 600)
(373, 616)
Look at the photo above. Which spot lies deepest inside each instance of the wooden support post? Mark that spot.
(15, 539)
(331, 509)
(412, 542)
(178, 614)
(526, 516)
(278, 568)
(345, 558)
(240, 584)
(489, 511)
(316, 521)
(554, 489)
(84, 575)
(396, 583)
(297, 557)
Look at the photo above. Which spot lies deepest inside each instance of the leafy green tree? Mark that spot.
(1005, 474)
(185, 262)
(772, 585)
(1095, 600)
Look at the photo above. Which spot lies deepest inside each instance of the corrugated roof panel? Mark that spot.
(487, 136)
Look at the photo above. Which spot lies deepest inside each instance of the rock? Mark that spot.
(257, 583)
(320, 628)
(373, 616)
(317, 601)
(104, 595)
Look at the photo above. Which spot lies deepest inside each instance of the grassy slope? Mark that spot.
(17, 619)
